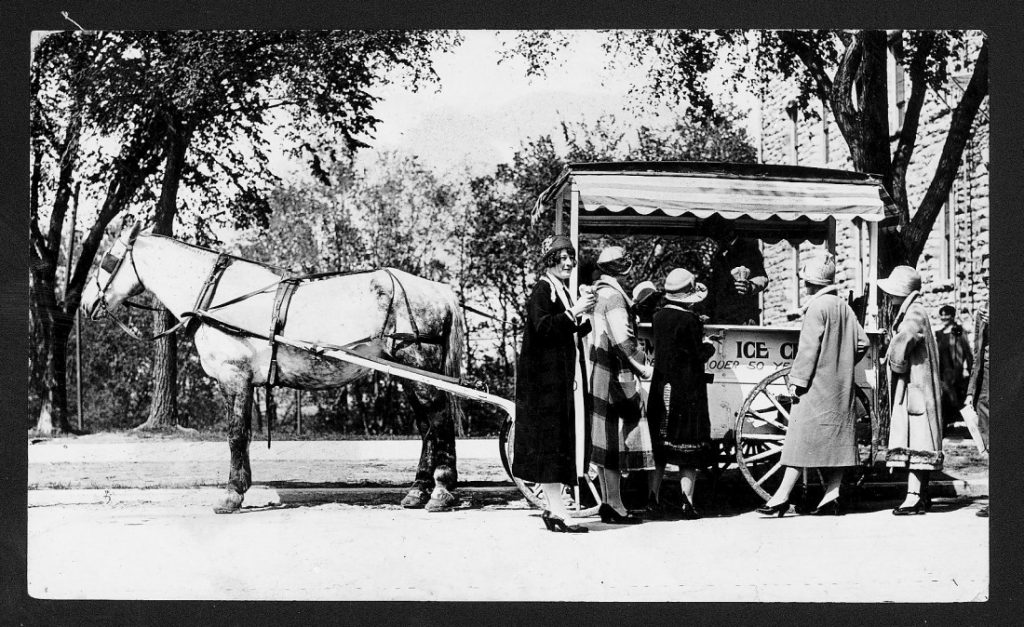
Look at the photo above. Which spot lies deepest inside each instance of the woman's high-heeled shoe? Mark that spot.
(774, 510)
(916, 508)
(832, 508)
(559, 526)
(610, 516)
(688, 511)
(927, 500)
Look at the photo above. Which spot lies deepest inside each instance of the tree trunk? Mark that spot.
(163, 408)
(55, 327)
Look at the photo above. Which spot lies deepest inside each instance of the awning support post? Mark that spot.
(871, 318)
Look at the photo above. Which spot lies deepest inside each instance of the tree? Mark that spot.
(200, 104)
(393, 213)
(844, 69)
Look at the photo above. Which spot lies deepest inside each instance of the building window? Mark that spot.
(794, 137)
(945, 227)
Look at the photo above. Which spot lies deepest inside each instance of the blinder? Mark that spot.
(110, 263)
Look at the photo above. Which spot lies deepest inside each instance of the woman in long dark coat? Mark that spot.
(677, 411)
(544, 440)
(822, 425)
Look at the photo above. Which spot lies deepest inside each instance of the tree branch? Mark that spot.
(840, 95)
(916, 233)
(813, 61)
(911, 120)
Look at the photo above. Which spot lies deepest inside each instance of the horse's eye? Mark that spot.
(109, 263)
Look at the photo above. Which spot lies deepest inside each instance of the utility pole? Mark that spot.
(78, 311)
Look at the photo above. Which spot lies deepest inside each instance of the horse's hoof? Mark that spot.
(231, 503)
(415, 499)
(442, 501)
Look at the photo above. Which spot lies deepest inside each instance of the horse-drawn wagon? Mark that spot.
(749, 397)
(343, 325)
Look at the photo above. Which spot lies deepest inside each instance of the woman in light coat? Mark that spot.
(915, 423)
(822, 422)
(621, 441)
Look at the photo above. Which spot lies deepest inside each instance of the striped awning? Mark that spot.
(755, 192)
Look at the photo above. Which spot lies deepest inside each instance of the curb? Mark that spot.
(263, 496)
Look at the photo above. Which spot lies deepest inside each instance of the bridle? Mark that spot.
(111, 264)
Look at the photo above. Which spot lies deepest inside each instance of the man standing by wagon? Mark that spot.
(737, 277)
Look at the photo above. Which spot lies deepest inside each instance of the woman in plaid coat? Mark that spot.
(621, 441)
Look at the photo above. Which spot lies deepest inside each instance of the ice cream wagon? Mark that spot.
(647, 203)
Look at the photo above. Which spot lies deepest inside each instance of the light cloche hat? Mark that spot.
(902, 281)
(682, 287)
(613, 260)
(820, 269)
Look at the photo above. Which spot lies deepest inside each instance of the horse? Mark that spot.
(230, 303)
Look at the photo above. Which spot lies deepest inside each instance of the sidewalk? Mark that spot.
(327, 468)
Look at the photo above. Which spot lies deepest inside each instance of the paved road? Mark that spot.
(114, 536)
(176, 549)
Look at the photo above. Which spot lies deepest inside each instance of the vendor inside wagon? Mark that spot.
(736, 276)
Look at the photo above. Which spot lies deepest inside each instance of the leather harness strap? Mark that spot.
(282, 299)
(208, 290)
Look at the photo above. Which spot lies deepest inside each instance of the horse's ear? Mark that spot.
(132, 234)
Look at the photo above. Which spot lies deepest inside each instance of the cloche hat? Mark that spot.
(902, 281)
(613, 260)
(682, 287)
(820, 269)
(554, 243)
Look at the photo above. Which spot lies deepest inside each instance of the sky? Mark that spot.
(482, 110)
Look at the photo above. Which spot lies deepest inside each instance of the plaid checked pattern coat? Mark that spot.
(620, 437)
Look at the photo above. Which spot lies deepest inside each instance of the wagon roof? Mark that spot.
(757, 192)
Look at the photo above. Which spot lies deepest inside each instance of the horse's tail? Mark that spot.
(453, 357)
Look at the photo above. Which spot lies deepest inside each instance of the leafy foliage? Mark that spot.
(844, 69)
(107, 108)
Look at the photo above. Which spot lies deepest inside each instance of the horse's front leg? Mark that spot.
(436, 473)
(239, 395)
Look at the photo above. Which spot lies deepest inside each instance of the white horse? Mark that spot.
(384, 314)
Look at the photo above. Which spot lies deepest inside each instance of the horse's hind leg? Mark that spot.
(239, 396)
(436, 475)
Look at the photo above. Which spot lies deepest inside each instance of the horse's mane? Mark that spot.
(186, 245)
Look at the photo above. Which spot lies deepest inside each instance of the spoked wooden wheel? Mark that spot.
(762, 425)
(589, 497)
(761, 428)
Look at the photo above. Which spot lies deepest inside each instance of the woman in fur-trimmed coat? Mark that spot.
(915, 424)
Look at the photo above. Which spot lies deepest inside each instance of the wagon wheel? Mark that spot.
(763, 422)
(724, 456)
(590, 496)
(761, 427)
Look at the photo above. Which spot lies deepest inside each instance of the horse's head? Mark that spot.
(115, 279)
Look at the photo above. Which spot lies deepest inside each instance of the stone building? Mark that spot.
(956, 255)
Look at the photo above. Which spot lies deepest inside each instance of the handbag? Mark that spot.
(970, 417)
